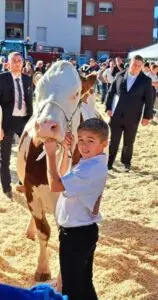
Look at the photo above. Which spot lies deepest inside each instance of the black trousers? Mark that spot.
(77, 246)
(129, 133)
(18, 124)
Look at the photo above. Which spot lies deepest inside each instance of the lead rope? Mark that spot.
(69, 127)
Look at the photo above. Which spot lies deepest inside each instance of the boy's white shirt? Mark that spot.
(83, 186)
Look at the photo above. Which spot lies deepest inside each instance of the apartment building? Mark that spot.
(48, 22)
(117, 26)
(93, 27)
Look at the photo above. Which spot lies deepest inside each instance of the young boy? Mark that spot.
(77, 210)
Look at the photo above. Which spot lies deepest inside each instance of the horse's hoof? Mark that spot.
(42, 276)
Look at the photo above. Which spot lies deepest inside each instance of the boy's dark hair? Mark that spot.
(138, 57)
(97, 126)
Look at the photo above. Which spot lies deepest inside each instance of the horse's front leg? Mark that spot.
(43, 272)
(31, 229)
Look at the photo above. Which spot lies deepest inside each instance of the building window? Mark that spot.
(15, 5)
(155, 35)
(87, 30)
(105, 7)
(72, 9)
(155, 30)
(156, 12)
(41, 34)
(90, 9)
(14, 31)
(102, 32)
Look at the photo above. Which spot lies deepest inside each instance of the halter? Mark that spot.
(68, 120)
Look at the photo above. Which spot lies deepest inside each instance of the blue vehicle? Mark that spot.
(8, 46)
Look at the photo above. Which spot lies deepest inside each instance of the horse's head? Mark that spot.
(57, 96)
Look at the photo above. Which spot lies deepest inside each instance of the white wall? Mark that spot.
(26, 21)
(61, 30)
(2, 19)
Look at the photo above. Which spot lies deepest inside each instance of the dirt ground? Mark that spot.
(126, 260)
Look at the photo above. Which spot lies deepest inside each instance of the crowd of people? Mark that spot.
(129, 92)
(106, 71)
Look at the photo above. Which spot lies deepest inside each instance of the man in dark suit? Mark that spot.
(16, 105)
(128, 100)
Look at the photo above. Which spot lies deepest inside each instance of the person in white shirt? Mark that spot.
(108, 73)
(153, 75)
(102, 81)
(108, 76)
(146, 68)
(77, 211)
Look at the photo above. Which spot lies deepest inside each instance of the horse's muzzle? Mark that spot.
(48, 129)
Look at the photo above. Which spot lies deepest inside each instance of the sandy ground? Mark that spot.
(126, 260)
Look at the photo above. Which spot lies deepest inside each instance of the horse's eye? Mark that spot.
(77, 94)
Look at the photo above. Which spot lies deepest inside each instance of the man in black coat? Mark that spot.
(16, 105)
(128, 100)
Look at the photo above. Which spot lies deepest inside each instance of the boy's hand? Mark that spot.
(68, 142)
(50, 146)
